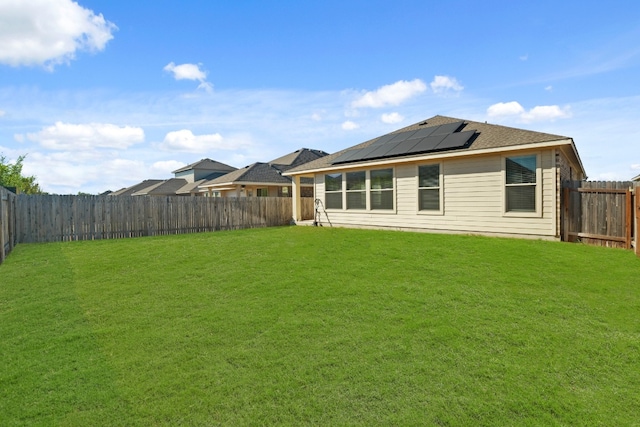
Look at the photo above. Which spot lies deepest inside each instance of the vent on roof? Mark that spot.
(425, 140)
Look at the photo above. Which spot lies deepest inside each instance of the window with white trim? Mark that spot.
(357, 190)
(333, 191)
(521, 183)
(429, 187)
(381, 189)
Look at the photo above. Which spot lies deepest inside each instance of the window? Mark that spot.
(361, 190)
(357, 190)
(262, 192)
(285, 191)
(381, 192)
(429, 187)
(333, 191)
(520, 185)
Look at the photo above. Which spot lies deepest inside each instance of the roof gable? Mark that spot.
(206, 164)
(297, 158)
(256, 172)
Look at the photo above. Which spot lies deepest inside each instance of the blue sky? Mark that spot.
(101, 94)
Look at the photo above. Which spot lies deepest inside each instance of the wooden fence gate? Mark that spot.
(599, 213)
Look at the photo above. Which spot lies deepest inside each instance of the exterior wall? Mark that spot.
(472, 202)
(274, 191)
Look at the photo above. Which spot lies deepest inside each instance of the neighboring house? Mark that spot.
(184, 183)
(137, 187)
(636, 179)
(204, 169)
(168, 187)
(447, 175)
(263, 179)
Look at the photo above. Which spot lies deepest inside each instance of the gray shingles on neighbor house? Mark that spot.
(266, 174)
(254, 173)
(202, 169)
(137, 187)
(164, 188)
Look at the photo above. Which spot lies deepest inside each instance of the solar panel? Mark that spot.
(403, 147)
(455, 140)
(423, 140)
(384, 138)
(427, 144)
(424, 132)
(347, 156)
(448, 128)
(380, 151)
(402, 136)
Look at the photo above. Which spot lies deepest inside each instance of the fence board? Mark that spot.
(598, 213)
(49, 218)
(8, 236)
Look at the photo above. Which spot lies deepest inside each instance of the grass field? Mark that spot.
(319, 326)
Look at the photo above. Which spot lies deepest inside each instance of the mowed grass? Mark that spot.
(319, 326)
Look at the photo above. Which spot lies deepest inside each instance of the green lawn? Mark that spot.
(319, 326)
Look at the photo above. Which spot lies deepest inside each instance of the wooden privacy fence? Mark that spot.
(64, 218)
(600, 213)
(8, 235)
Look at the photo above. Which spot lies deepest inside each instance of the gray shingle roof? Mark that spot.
(136, 187)
(164, 188)
(206, 164)
(257, 172)
(488, 136)
(297, 158)
(269, 173)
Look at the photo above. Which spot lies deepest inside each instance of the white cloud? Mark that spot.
(505, 109)
(349, 125)
(549, 88)
(393, 94)
(536, 114)
(186, 71)
(67, 136)
(316, 117)
(185, 140)
(190, 72)
(635, 167)
(524, 57)
(2, 113)
(49, 32)
(546, 113)
(445, 84)
(392, 118)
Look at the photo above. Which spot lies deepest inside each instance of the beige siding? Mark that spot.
(473, 200)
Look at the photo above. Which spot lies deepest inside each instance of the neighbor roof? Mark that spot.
(137, 187)
(297, 158)
(164, 188)
(636, 178)
(268, 173)
(256, 173)
(487, 136)
(206, 164)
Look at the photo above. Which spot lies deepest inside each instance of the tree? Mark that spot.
(11, 176)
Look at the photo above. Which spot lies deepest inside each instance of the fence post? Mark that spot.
(629, 217)
(565, 230)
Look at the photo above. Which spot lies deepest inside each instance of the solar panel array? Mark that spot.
(425, 140)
